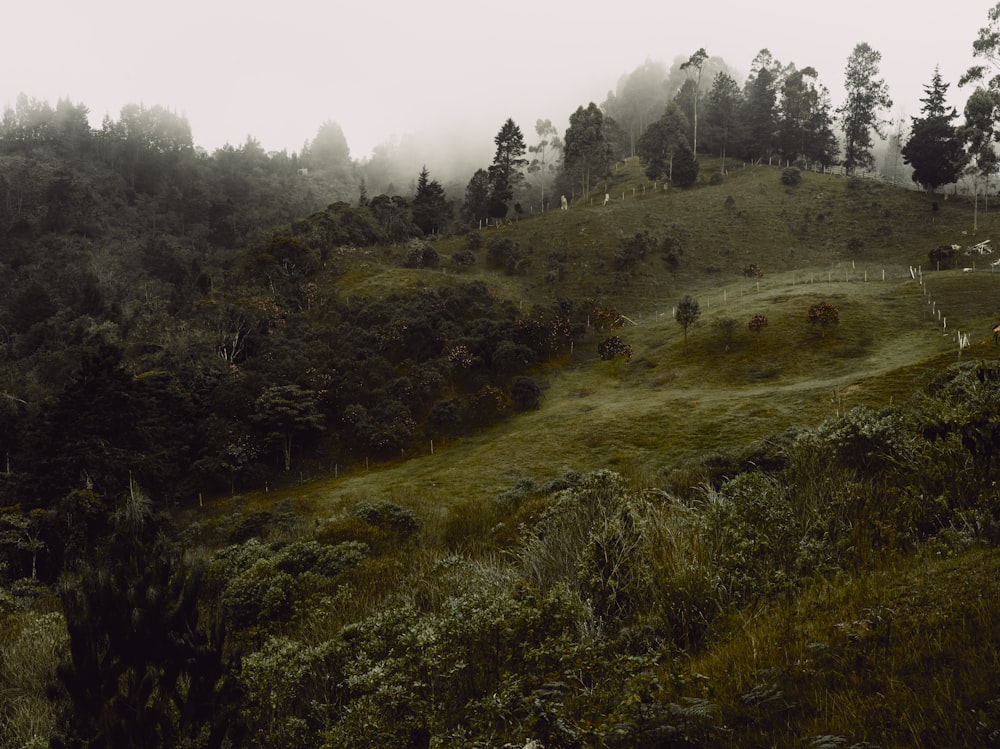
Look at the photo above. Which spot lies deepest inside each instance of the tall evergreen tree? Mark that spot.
(934, 149)
(867, 96)
(431, 209)
(722, 114)
(507, 170)
(760, 106)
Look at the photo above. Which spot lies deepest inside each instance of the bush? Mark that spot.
(464, 258)
(473, 240)
(716, 179)
(386, 515)
(500, 251)
(525, 393)
(321, 559)
(261, 594)
(614, 347)
(420, 255)
(791, 176)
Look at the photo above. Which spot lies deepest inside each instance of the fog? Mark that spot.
(435, 81)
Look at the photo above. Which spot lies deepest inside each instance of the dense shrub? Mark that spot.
(464, 258)
(473, 240)
(259, 595)
(386, 515)
(791, 176)
(525, 394)
(301, 557)
(614, 347)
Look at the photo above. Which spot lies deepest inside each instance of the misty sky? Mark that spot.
(451, 67)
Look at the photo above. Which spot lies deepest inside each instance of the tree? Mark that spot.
(637, 100)
(979, 135)
(585, 148)
(760, 106)
(543, 164)
(721, 114)
(431, 209)
(696, 62)
(328, 149)
(934, 148)
(143, 670)
(867, 96)
(477, 197)
(685, 99)
(684, 169)
(613, 348)
(987, 47)
(805, 128)
(662, 141)
(687, 314)
(506, 173)
(286, 411)
(756, 325)
(823, 315)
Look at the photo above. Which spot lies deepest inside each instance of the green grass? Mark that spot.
(894, 657)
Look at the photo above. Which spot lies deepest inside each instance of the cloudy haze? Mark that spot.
(458, 69)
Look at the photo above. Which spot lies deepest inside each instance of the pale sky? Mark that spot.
(382, 69)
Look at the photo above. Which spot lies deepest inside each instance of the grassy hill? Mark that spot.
(674, 402)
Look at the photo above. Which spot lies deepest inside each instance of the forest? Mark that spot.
(203, 357)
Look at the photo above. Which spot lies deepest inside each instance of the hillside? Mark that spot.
(338, 522)
(673, 403)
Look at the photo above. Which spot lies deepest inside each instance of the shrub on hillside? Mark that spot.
(500, 251)
(464, 258)
(791, 176)
(401, 520)
(473, 240)
(420, 255)
(525, 394)
(614, 347)
(300, 557)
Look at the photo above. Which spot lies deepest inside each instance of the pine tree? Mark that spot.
(507, 171)
(721, 115)
(760, 106)
(934, 149)
(431, 209)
